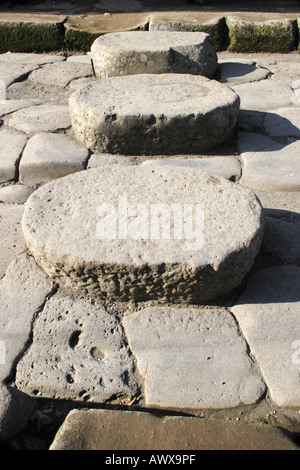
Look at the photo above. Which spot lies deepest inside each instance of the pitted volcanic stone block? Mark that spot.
(153, 114)
(134, 52)
(136, 233)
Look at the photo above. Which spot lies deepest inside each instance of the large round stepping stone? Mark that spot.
(134, 52)
(151, 114)
(137, 233)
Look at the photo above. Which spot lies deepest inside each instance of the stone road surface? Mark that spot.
(236, 359)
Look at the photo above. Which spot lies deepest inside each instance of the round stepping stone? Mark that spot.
(135, 52)
(151, 114)
(141, 232)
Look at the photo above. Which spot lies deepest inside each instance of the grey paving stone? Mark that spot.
(108, 118)
(41, 118)
(30, 58)
(192, 358)
(268, 315)
(48, 156)
(99, 246)
(272, 169)
(106, 159)
(236, 72)
(14, 72)
(12, 144)
(227, 167)
(283, 122)
(15, 193)
(11, 236)
(23, 290)
(140, 52)
(282, 240)
(9, 106)
(60, 73)
(15, 410)
(135, 430)
(264, 95)
(78, 352)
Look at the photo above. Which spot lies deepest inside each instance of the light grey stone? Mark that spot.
(273, 169)
(41, 118)
(283, 122)
(166, 114)
(282, 240)
(12, 242)
(30, 58)
(14, 72)
(15, 410)
(15, 193)
(23, 290)
(280, 200)
(75, 85)
(60, 74)
(268, 315)
(192, 358)
(264, 95)
(102, 252)
(241, 71)
(141, 430)
(97, 160)
(12, 144)
(9, 106)
(81, 58)
(140, 52)
(48, 156)
(227, 167)
(78, 352)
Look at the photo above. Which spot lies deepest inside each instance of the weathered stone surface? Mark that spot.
(166, 114)
(102, 252)
(15, 193)
(227, 167)
(23, 290)
(275, 168)
(192, 358)
(15, 410)
(9, 106)
(61, 73)
(28, 32)
(133, 430)
(282, 240)
(283, 122)
(268, 314)
(12, 242)
(208, 22)
(241, 71)
(41, 118)
(140, 52)
(12, 144)
(81, 31)
(261, 32)
(264, 95)
(104, 159)
(15, 71)
(48, 156)
(78, 352)
(30, 58)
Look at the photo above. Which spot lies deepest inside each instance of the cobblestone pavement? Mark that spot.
(261, 368)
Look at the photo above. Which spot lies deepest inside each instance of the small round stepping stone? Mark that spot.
(135, 52)
(151, 114)
(171, 234)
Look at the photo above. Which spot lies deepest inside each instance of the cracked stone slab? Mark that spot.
(12, 242)
(192, 358)
(136, 430)
(264, 95)
(140, 52)
(14, 72)
(78, 352)
(227, 167)
(268, 314)
(282, 240)
(238, 71)
(103, 253)
(61, 74)
(275, 168)
(15, 410)
(40, 118)
(9, 106)
(12, 144)
(108, 118)
(23, 290)
(48, 156)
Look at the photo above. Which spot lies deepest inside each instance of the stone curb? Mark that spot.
(236, 32)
